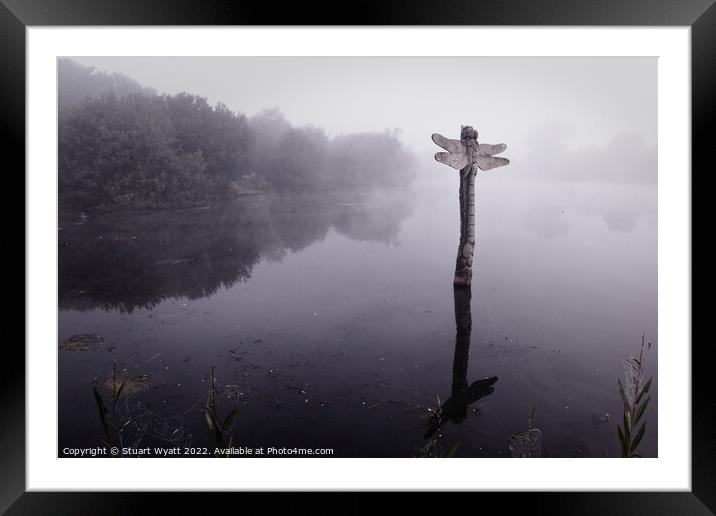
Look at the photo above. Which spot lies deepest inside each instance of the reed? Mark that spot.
(634, 393)
(109, 417)
(220, 428)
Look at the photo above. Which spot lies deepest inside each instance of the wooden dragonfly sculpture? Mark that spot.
(467, 156)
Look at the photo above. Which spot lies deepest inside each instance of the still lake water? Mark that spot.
(331, 320)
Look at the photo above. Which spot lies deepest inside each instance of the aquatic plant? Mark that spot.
(110, 418)
(635, 399)
(433, 450)
(527, 444)
(126, 425)
(223, 429)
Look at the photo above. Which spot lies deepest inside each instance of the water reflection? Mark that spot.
(135, 259)
(549, 212)
(545, 221)
(462, 394)
(359, 328)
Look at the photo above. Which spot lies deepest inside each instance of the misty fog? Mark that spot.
(586, 103)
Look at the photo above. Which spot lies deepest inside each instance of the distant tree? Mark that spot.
(268, 128)
(77, 83)
(219, 135)
(149, 151)
(370, 160)
(299, 162)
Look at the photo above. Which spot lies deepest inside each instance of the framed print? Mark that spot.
(300, 251)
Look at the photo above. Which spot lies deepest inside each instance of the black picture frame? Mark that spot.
(17, 15)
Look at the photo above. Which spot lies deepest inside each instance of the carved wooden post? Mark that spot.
(467, 156)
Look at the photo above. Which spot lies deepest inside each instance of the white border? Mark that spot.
(671, 471)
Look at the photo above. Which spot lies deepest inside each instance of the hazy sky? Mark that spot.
(588, 101)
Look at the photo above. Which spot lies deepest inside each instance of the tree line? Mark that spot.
(130, 147)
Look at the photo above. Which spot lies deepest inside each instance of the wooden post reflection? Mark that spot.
(462, 394)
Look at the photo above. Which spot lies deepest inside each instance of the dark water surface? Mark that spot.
(331, 320)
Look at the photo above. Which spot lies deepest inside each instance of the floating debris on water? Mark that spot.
(132, 384)
(232, 392)
(83, 342)
(526, 444)
(599, 420)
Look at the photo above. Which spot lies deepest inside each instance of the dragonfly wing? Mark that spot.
(454, 146)
(456, 161)
(489, 162)
(485, 149)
